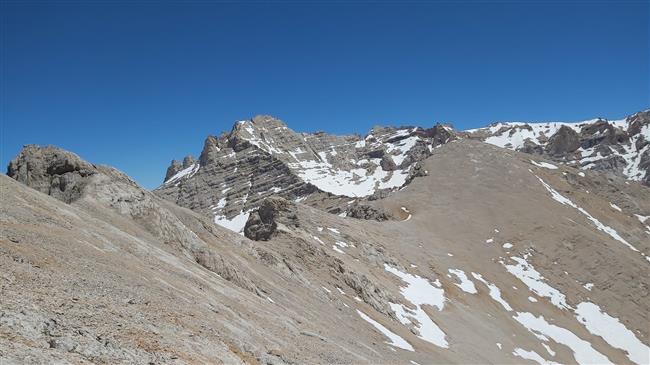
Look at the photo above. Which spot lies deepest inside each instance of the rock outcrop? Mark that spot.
(366, 211)
(564, 141)
(52, 171)
(66, 177)
(263, 223)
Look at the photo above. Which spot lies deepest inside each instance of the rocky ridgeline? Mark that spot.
(66, 177)
(262, 157)
(620, 147)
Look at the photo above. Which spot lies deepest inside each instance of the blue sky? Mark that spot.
(134, 85)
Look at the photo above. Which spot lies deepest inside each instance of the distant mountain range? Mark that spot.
(262, 157)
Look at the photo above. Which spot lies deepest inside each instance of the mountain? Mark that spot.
(460, 252)
(262, 157)
(620, 147)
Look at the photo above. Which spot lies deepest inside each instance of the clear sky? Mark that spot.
(134, 85)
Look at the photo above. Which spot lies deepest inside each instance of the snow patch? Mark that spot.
(184, 173)
(466, 284)
(613, 332)
(535, 281)
(615, 207)
(420, 292)
(395, 340)
(583, 352)
(235, 224)
(532, 355)
(545, 165)
(495, 292)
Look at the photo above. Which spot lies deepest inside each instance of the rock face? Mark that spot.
(619, 147)
(564, 141)
(173, 169)
(52, 171)
(262, 157)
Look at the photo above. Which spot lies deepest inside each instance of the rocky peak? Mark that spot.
(210, 147)
(188, 161)
(441, 134)
(177, 169)
(173, 169)
(262, 157)
(52, 171)
(638, 121)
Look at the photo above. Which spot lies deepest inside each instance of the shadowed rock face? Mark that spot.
(263, 223)
(52, 171)
(618, 147)
(564, 141)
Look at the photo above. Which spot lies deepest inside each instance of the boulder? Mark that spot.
(565, 140)
(532, 148)
(369, 212)
(263, 223)
(378, 153)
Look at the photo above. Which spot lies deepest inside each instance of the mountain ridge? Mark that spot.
(322, 169)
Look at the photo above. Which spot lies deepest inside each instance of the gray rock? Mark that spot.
(387, 163)
(188, 161)
(52, 171)
(368, 212)
(173, 169)
(532, 148)
(263, 223)
(440, 134)
(565, 141)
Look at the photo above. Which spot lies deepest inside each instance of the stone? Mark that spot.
(564, 141)
(368, 212)
(263, 223)
(387, 163)
(52, 171)
(188, 161)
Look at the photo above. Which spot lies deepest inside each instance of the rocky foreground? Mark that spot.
(480, 254)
